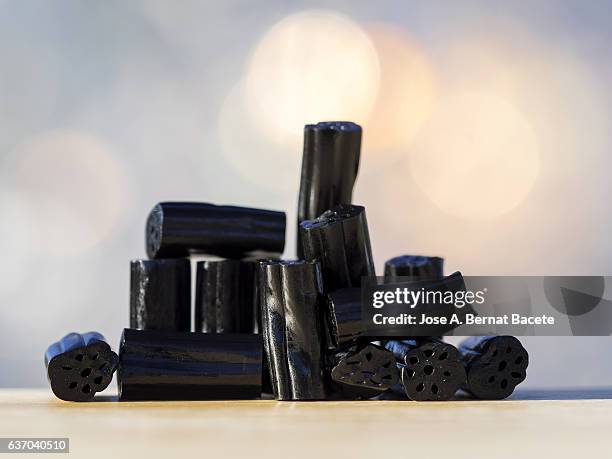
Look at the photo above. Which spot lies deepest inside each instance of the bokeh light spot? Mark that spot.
(477, 157)
(311, 66)
(405, 96)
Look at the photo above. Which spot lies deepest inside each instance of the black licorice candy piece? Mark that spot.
(160, 365)
(495, 365)
(339, 239)
(344, 312)
(414, 267)
(220, 305)
(330, 163)
(365, 371)
(290, 301)
(78, 366)
(177, 229)
(430, 369)
(344, 316)
(160, 294)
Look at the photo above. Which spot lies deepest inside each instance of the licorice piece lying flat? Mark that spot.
(290, 301)
(78, 366)
(159, 365)
(414, 267)
(430, 369)
(365, 371)
(495, 365)
(343, 313)
(329, 168)
(339, 239)
(177, 229)
(223, 301)
(160, 294)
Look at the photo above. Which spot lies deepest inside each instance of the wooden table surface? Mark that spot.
(531, 424)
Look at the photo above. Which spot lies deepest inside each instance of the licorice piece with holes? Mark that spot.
(177, 229)
(160, 294)
(364, 371)
(78, 366)
(160, 365)
(414, 267)
(339, 239)
(290, 301)
(430, 369)
(224, 302)
(330, 163)
(495, 365)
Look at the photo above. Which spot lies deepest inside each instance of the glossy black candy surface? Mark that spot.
(430, 369)
(160, 294)
(224, 297)
(290, 301)
(365, 371)
(78, 366)
(158, 365)
(495, 365)
(330, 163)
(343, 313)
(339, 239)
(176, 229)
(414, 267)
(344, 316)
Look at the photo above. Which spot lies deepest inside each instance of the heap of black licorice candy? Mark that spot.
(311, 344)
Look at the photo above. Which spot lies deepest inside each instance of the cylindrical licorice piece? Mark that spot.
(160, 365)
(414, 267)
(430, 369)
(78, 366)
(365, 371)
(250, 287)
(290, 301)
(160, 294)
(344, 316)
(221, 305)
(495, 365)
(177, 229)
(340, 241)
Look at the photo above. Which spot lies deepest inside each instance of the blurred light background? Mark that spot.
(485, 142)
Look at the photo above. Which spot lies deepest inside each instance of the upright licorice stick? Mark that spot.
(290, 300)
(329, 168)
(495, 365)
(339, 239)
(177, 229)
(78, 366)
(364, 371)
(224, 297)
(157, 365)
(430, 369)
(160, 294)
(414, 267)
